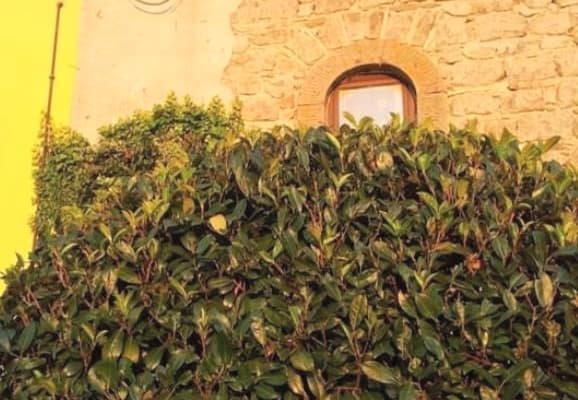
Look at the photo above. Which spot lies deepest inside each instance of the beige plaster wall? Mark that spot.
(130, 58)
(507, 63)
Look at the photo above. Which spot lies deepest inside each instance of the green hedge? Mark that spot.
(380, 263)
(74, 169)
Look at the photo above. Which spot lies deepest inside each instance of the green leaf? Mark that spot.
(112, 349)
(264, 391)
(566, 251)
(222, 349)
(316, 386)
(131, 350)
(238, 212)
(517, 370)
(259, 332)
(104, 374)
(434, 346)
(510, 300)
(429, 304)
(27, 336)
(430, 201)
(379, 372)
(73, 368)
(545, 290)
(153, 358)
(295, 382)
(179, 288)
(357, 310)
(331, 287)
(302, 361)
(487, 393)
(406, 304)
(4, 341)
(408, 392)
(126, 251)
(128, 275)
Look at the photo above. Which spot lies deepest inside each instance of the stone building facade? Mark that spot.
(506, 63)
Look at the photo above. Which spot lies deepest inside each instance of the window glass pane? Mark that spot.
(376, 102)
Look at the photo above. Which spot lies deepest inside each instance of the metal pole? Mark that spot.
(47, 116)
(51, 78)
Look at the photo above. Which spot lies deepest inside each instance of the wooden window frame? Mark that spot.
(357, 80)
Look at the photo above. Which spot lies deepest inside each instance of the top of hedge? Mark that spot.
(376, 263)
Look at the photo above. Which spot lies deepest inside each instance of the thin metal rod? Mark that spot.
(51, 78)
(48, 115)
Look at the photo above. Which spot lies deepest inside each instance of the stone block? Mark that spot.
(449, 30)
(270, 34)
(371, 4)
(497, 26)
(462, 8)
(260, 108)
(480, 51)
(398, 26)
(556, 42)
(566, 3)
(551, 23)
(544, 125)
(374, 24)
(331, 6)
(568, 92)
(537, 3)
(568, 62)
(477, 73)
(424, 25)
(523, 100)
(332, 32)
(355, 25)
(306, 46)
(474, 103)
(245, 84)
(523, 71)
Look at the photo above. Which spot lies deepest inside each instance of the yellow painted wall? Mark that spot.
(26, 34)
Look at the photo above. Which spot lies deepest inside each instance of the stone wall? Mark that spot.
(507, 63)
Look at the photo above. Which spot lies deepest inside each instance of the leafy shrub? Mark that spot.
(379, 263)
(63, 179)
(74, 169)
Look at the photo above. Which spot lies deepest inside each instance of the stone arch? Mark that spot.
(431, 91)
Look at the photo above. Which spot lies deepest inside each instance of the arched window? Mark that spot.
(372, 90)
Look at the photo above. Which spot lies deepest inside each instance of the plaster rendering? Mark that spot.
(132, 54)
